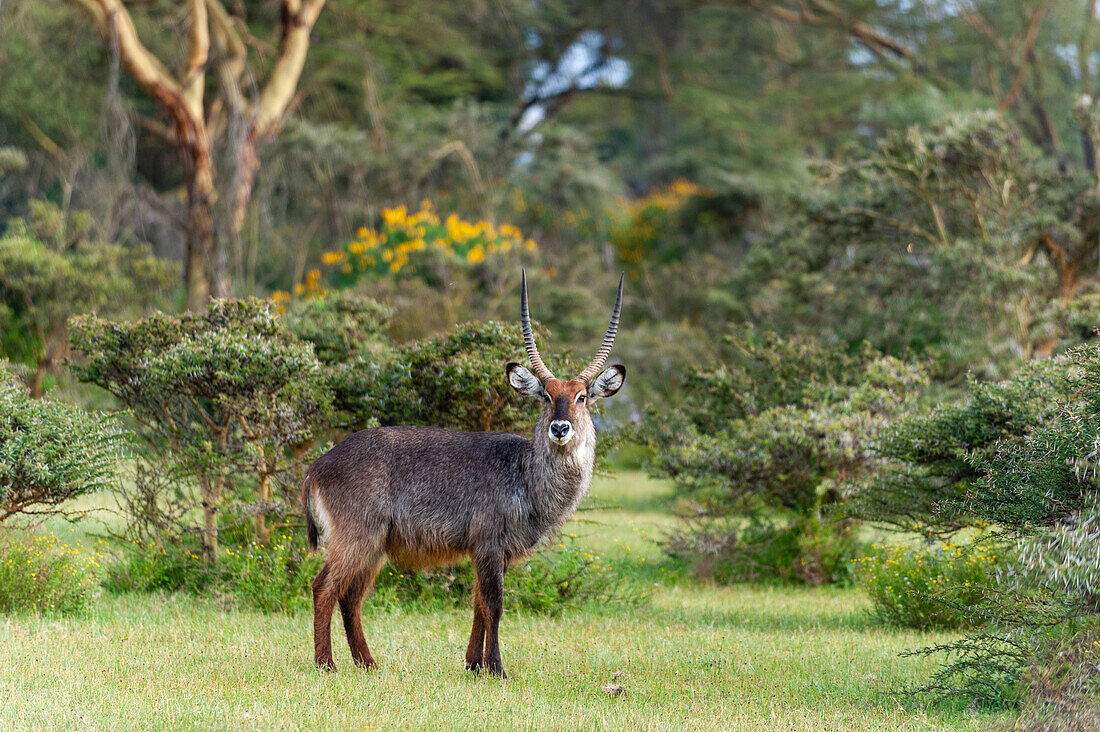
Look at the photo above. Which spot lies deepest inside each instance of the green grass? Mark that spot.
(695, 657)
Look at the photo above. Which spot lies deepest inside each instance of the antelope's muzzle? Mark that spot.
(561, 431)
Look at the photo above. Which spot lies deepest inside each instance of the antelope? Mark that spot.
(422, 497)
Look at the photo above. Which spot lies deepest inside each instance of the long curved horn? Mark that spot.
(605, 347)
(541, 371)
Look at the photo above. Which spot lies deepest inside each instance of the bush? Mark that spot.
(231, 397)
(561, 576)
(933, 461)
(1060, 689)
(50, 451)
(418, 245)
(277, 576)
(927, 586)
(762, 447)
(40, 574)
(453, 380)
(51, 269)
(754, 549)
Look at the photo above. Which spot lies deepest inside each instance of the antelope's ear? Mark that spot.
(523, 380)
(607, 383)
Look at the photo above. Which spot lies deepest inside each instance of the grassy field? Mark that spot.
(694, 657)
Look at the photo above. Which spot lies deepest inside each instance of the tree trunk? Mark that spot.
(260, 522)
(39, 375)
(211, 497)
(201, 239)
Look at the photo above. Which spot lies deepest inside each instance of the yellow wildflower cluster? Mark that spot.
(648, 221)
(46, 574)
(904, 580)
(405, 242)
(394, 246)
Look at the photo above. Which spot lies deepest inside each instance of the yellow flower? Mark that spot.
(531, 245)
(387, 255)
(362, 232)
(332, 257)
(394, 216)
(475, 255)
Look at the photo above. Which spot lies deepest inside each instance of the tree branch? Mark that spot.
(299, 17)
(146, 68)
(193, 78)
(1027, 57)
(819, 12)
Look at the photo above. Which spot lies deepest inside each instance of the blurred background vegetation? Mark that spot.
(862, 241)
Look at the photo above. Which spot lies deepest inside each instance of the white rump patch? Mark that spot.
(320, 514)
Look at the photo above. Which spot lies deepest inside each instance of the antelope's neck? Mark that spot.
(559, 478)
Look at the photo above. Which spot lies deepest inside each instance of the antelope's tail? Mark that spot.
(311, 525)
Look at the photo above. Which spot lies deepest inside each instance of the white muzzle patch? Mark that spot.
(561, 431)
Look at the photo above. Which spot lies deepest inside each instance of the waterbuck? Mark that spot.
(423, 496)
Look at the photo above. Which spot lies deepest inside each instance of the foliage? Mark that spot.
(420, 244)
(271, 576)
(454, 380)
(228, 393)
(929, 585)
(1031, 452)
(40, 574)
(1064, 558)
(562, 575)
(51, 268)
(277, 576)
(678, 222)
(952, 240)
(933, 460)
(339, 325)
(774, 433)
(729, 550)
(51, 451)
(1060, 688)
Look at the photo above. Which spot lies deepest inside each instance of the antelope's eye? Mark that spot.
(546, 396)
(581, 397)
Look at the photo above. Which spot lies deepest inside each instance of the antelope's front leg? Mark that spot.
(490, 581)
(475, 649)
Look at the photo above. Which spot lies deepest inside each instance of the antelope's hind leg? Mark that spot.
(476, 647)
(324, 602)
(351, 611)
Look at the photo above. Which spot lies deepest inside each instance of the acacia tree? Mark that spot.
(228, 394)
(217, 41)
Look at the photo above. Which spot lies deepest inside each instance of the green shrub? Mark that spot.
(930, 586)
(228, 395)
(51, 268)
(561, 576)
(933, 462)
(271, 577)
(1060, 689)
(750, 550)
(50, 451)
(277, 576)
(40, 574)
(771, 435)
